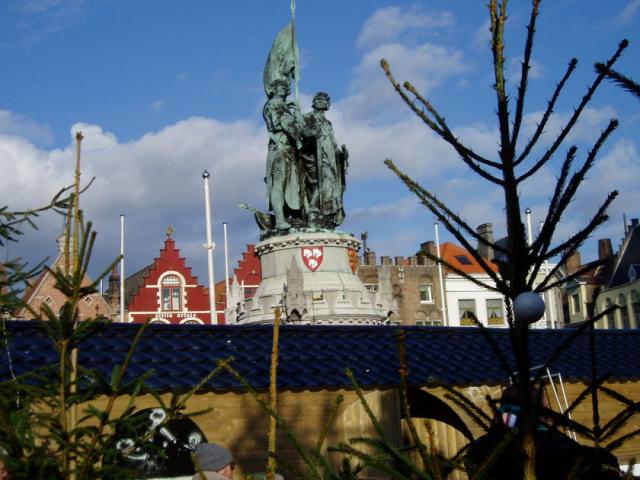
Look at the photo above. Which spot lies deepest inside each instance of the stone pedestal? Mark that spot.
(311, 276)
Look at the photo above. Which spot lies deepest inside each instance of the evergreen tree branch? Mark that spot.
(599, 218)
(524, 75)
(626, 83)
(622, 440)
(573, 276)
(498, 16)
(547, 113)
(442, 213)
(462, 273)
(551, 220)
(576, 114)
(466, 155)
(613, 124)
(447, 134)
(563, 346)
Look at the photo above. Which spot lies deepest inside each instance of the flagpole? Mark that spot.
(210, 246)
(226, 268)
(122, 268)
(445, 320)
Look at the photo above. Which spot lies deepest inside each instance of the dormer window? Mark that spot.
(171, 293)
(634, 272)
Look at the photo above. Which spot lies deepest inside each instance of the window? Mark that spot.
(425, 294)
(575, 303)
(463, 259)
(249, 291)
(171, 293)
(191, 321)
(624, 312)
(467, 310)
(611, 321)
(635, 307)
(372, 287)
(495, 315)
(429, 323)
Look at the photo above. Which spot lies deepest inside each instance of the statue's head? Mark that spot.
(321, 101)
(280, 87)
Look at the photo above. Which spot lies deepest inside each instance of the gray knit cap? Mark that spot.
(212, 457)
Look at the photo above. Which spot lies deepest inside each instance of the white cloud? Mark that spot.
(426, 66)
(12, 124)
(37, 19)
(585, 132)
(629, 11)
(387, 23)
(154, 180)
(482, 37)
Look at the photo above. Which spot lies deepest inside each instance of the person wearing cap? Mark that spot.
(213, 462)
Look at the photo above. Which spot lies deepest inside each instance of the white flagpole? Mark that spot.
(122, 268)
(226, 267)
(445, 320)
(210, 246)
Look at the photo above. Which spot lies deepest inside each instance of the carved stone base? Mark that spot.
(311, 277)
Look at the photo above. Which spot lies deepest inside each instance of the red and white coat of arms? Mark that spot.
(312, 257)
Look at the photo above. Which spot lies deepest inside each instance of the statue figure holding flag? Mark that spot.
(284, 176)
(284, 173)
(305, 172)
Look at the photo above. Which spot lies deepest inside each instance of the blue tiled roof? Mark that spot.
(315, 357)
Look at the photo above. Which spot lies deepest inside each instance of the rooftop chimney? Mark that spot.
(573, 262)
(428, 247)
(485, 231)
(605, 249)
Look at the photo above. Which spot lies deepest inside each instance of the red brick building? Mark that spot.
(167, 291)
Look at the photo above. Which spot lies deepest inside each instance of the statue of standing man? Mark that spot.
(325, 167)
(285, 182)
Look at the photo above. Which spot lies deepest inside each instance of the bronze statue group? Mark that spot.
(305, 167)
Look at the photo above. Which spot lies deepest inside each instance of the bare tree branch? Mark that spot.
(547, 113)
(449, 138)
(549, 225)
(524, 75)
(576, 114)
(437, 208)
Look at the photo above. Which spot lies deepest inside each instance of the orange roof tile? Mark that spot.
(462, 259)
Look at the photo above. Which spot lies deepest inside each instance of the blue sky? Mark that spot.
(163, 90)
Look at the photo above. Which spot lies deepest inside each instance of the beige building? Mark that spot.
(614, 280)
(415, 286)
(622, 287)
(42, 292)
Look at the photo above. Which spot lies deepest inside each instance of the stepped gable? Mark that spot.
(146, 300)
(315, 357)
(249, 269)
